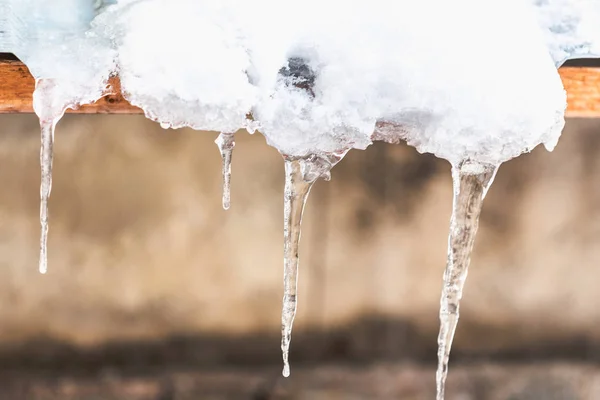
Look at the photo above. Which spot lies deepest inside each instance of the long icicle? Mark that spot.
(49, 115)
(226, 143)
(300, 175)
(471, 182)
(46, 156)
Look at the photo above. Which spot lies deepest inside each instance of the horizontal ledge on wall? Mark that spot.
(16, 89)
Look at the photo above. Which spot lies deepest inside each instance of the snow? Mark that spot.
(463, 96)
(572, 28)
(189, 72)
(71, 66)
(56, 45)
(207, 64)
(6, 27)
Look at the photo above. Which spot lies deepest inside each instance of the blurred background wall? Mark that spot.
(142, 254)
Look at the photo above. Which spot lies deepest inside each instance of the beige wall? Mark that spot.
(141, 248)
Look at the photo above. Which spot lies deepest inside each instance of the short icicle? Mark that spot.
(471, 181)
(226, 143)
(300, 175)
(49, 115)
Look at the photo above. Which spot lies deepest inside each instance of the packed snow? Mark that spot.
(572, 28)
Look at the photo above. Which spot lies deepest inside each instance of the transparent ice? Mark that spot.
(471, 180)
(300, 175)
(308, 156)
(476, 117)
(71, 67)
(226, 142)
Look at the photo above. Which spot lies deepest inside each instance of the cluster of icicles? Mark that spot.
(336, 79)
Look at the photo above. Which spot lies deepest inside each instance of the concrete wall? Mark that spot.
(140, 247)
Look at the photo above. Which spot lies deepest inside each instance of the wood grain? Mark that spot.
(17, 84)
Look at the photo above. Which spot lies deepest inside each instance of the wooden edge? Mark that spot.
(17, 85)
(16, 88)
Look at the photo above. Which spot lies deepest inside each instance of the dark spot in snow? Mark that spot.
(299, 74)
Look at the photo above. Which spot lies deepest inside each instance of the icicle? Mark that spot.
(47, 128)
(300, 175)
(471, 181)
(49, 115)
(226, 143)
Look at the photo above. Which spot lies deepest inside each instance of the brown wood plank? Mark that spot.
(16, 93)
(17, 84)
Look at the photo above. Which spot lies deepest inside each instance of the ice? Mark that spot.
(309, 110)
(470, 81)
(71, 68)
(313, 134)
(204, 86)
(300, 175)
(318, 81)
(476, 108)
(226, 143)
(295, 195)
(50, 114)
(571, 27)
(51, 99)
(256, 61)
(471, 182)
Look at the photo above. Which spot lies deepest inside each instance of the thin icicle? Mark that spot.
(46, 155)
(226, 143)
(471, 181)
(49, 115)
(300, 175)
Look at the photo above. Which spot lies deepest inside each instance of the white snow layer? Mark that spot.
(52, 38)
(482, 89)
(572, 28)
(184, 62)
(467, 79)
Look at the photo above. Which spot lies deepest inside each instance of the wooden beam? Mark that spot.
(17, 84)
